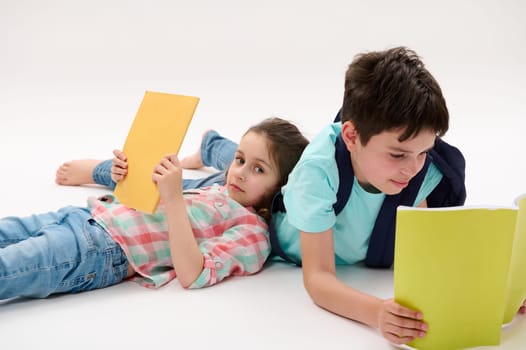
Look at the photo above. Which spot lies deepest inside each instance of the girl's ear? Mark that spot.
(350, 135)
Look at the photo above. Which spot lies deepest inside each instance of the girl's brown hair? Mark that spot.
(285, 146)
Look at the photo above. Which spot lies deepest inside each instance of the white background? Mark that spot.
(73, 73)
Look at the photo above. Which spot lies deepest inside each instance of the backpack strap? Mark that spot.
(380, 252)
(345, 171)
(451, 191)
(338, 116)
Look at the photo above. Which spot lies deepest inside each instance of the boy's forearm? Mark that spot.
(186, 256)
(333, 295)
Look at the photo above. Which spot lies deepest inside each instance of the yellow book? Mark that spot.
(464, 268)
(157, 130)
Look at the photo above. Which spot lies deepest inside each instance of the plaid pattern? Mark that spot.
(233, 239)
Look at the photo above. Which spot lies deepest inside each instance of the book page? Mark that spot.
(157, 130)
(453, 266)
(517, 276)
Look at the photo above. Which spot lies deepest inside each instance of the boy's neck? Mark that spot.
(367, 187)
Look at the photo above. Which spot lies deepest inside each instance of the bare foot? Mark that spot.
(76, 172)
(193, 161)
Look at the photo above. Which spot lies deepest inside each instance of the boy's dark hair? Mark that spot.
(389, 90)
(285, 146)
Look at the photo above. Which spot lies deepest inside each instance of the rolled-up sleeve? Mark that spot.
(240, 250)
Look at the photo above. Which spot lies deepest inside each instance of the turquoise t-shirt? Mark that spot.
(311, 192)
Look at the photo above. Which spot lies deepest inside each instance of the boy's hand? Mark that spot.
(399, 324)
(119, 166)
(522, 308)
(168, 176)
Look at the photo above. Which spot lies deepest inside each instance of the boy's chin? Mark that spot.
(393, 190)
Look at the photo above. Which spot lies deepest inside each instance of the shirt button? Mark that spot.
(219, 204)
(219, 265)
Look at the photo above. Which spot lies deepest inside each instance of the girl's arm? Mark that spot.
(242, 249)
(186, 256)
(396, 323)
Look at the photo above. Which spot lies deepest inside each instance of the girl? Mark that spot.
(201, 236)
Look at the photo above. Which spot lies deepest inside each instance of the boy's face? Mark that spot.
(252, 176)
(384, 163)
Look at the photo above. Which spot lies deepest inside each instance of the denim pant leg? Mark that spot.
(58, 252)
(102, 174)
(216, 178)
(217, 151)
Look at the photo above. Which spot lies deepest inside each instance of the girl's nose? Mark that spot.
(241, 174)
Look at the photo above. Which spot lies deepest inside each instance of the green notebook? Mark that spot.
(464, 268)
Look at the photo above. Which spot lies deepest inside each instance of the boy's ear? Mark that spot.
(350, 135)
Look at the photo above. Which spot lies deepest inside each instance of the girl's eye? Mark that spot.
(240, 160)
(259, 170)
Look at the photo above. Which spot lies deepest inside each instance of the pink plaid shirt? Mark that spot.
(233, 239)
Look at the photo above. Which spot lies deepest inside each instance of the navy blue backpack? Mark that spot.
(451, 191)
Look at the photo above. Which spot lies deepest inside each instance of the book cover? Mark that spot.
(157, 130)
(464, 268)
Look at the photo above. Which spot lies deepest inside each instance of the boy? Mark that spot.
(393, 110)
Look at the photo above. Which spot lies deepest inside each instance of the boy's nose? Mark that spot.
(412, 167)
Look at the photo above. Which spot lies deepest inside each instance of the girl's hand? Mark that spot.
(119, 166)
(168, 175)
(399, 324)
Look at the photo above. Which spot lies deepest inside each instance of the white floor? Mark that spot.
(72, 75)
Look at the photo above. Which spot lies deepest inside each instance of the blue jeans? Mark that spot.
(216, 151)
(57, 252)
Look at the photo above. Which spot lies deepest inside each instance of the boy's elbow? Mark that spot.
(311, 284)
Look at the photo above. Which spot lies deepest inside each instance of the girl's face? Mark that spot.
(384, 163)
(252, 176)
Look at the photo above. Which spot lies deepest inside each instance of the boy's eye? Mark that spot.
(397, 155)
(240, 160)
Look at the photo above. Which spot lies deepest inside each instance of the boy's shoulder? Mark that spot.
(322, 144)
(317, 164)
